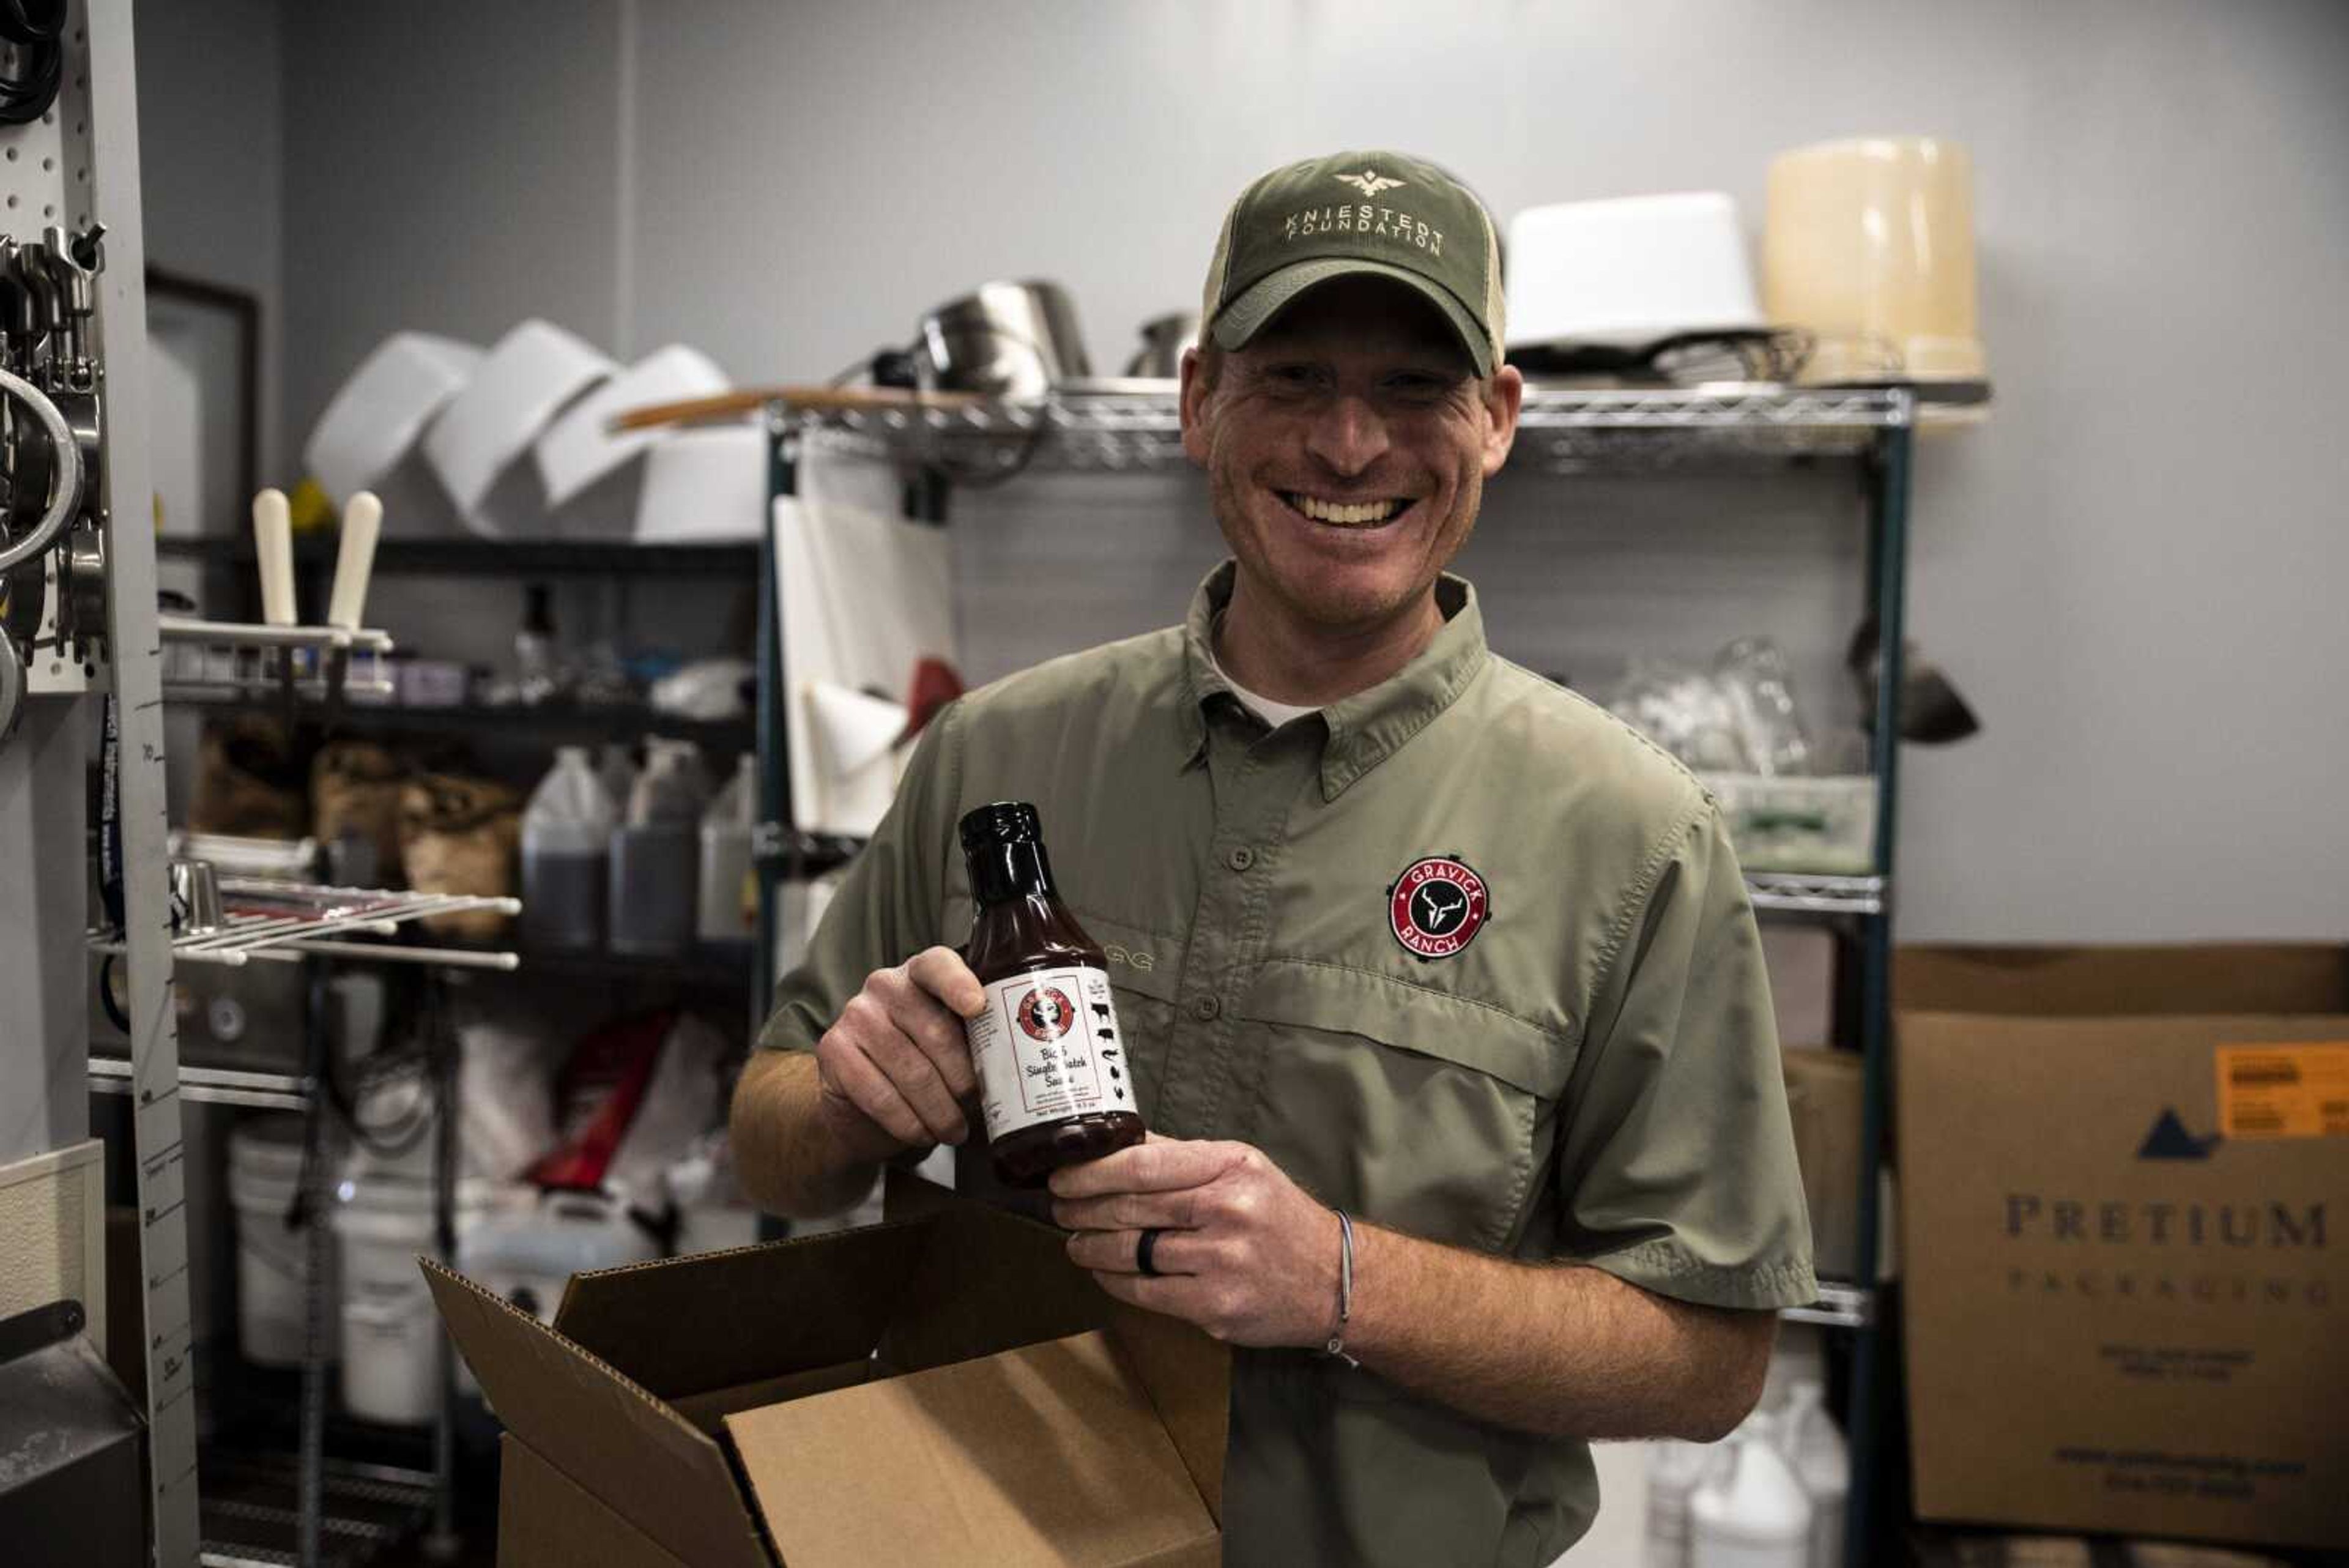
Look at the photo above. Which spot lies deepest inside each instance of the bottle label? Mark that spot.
(1047, 1047)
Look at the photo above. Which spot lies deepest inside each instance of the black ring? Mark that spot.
(1143, 1260)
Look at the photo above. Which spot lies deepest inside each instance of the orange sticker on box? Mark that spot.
(2283, 1091)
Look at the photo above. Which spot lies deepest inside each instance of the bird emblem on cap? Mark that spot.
(1370, 183)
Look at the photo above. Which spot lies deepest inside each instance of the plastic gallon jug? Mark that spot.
(527, 1253)
(655, 855)
(1807, 1436)
(1751, 1512)
(618, 773)
(1675, 1469)
(566, 835)
(728, 912)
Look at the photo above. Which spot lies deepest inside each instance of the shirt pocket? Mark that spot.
(1408, 1107)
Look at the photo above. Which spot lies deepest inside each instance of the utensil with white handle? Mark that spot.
(272, 544)
(355, 561)
(272, 547)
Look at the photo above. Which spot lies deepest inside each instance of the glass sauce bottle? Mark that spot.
(1053, 1078)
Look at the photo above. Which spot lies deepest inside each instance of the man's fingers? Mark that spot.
(849, 1072)
(1120, 1252)
(942, 972)
(924, 1020)
(1129, 1211)
(1157, 1164)
(909, 1068)
(865, 1027)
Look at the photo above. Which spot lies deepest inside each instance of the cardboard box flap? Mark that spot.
(607, 1434)
(545, 1516)
(1049, 1454)
(2123, 981)
(1186, 1374)
(988, 1281)
(1189, 1377)
(693, 1324)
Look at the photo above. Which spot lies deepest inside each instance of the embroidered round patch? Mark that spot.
(1436, 906)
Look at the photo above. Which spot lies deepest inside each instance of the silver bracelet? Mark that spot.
(1337, 1346)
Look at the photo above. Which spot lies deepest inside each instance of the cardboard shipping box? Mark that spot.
(1824, 1099)
(2122, 1172)
(946, 1388)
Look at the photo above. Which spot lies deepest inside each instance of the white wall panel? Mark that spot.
(2131, 571)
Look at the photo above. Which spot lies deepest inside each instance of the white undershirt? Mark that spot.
(1274, 714)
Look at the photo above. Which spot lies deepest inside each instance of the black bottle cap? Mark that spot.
(1001, 822)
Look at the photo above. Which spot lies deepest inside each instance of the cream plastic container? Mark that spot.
(1869, 244)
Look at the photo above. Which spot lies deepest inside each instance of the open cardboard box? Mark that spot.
(946, 1388)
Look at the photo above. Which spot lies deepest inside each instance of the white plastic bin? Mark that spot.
(273, 1257)
(1790, 823)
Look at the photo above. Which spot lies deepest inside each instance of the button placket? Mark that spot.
(1274, 774)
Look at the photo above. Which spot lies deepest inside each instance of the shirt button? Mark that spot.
(1240, 859)
(1206, 1009)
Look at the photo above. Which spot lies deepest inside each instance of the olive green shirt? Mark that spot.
(1591, 1075)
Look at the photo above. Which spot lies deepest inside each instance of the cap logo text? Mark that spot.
(1370, 222)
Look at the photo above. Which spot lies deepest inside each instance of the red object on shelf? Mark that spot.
(605, 1081)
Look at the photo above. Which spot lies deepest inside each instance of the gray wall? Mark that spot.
(211, 156)
(2129, 571)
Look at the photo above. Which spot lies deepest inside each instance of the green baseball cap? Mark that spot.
(1351, 214)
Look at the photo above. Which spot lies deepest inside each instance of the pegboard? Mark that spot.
(45, 167)
(46, 177)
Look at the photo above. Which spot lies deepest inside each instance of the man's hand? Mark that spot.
(894, 1070)
(1246, 1253)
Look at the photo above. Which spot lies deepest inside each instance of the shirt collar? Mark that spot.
(1367, 727)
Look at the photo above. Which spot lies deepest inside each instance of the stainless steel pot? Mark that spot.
(1003, 340)
(1164, 338)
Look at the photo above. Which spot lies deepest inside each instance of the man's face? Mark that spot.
(1347, 448)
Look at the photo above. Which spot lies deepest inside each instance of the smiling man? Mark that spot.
(1442, 989)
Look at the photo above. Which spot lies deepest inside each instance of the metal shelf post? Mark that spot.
(1887, 477)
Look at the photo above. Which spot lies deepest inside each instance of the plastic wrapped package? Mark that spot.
(1685, 711)
(1752, 675)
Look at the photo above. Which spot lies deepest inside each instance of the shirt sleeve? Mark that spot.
(888, 904)
(1677, 1170)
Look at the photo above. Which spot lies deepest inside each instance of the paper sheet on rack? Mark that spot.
(865, 594)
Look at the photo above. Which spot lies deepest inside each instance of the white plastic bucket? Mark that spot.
(391, 1337)
(272, 1259)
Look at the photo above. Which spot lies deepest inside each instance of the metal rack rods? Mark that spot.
(285, 920)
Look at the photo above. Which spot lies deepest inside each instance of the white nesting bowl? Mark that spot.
(535, 371)
(704, 485)
(374, 418)
(579, 449)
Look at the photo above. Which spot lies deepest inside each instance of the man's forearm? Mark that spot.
(1567, 1350)
(789, 1156)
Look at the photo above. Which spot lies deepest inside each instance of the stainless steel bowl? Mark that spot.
(1164, 338)
(195, 898)
(1003, 340)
